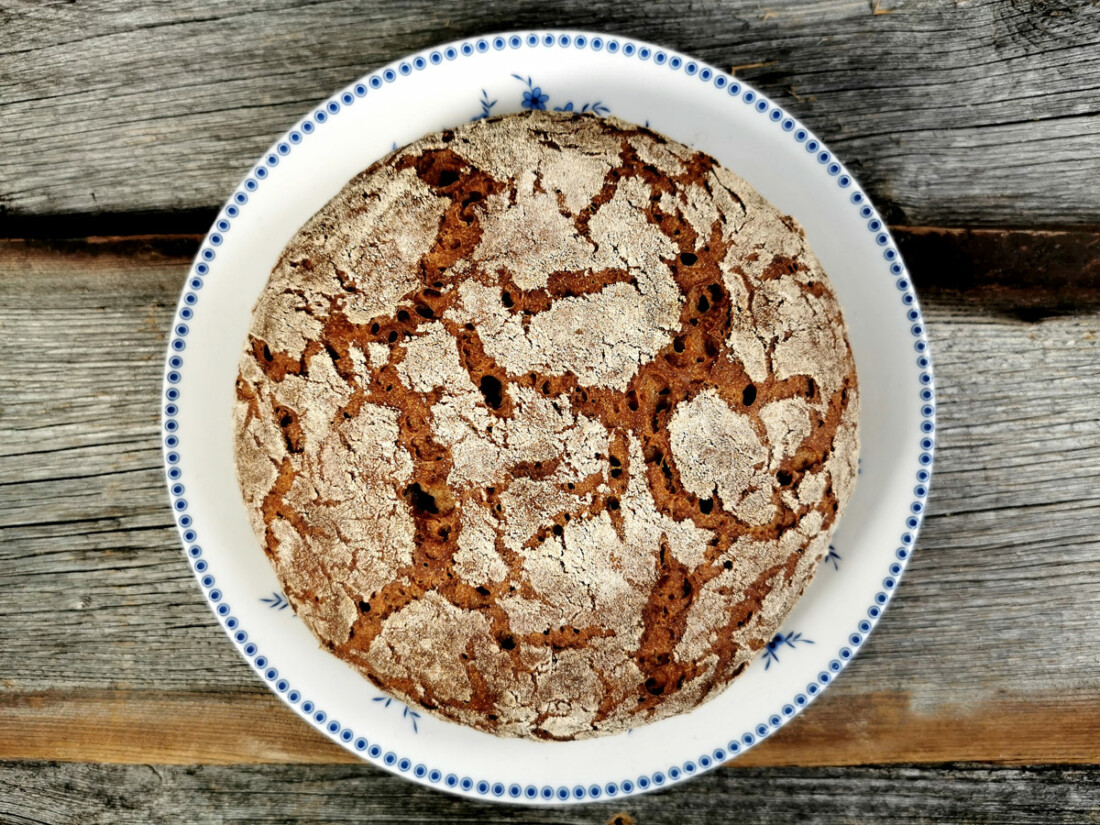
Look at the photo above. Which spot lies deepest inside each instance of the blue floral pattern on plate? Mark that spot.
(771, 649)
(486, 107)
(276, 601)
(406, 711)
(535, 99)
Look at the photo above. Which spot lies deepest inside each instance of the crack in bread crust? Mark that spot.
(545, 422)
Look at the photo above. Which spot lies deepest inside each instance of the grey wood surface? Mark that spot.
(55, 793)
(976, 112)
(976, 700)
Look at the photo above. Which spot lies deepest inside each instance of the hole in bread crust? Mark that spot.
(421, 501)
(493, 391)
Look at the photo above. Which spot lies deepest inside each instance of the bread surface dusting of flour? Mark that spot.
(545, 423)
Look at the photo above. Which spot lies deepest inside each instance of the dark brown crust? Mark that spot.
(697, 358)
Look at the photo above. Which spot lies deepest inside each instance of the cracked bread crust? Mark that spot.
(545, 423)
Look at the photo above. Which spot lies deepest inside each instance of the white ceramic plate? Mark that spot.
(693, 103)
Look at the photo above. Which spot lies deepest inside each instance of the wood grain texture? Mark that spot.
(109, 653)
(853, 726)
(976, 112)
(44, 793)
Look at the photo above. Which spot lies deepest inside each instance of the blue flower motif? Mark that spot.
(276, 601)
(534, 99)
(486, 106)
(788, 639)
(406, 712)
(833, 556)
(597, 107)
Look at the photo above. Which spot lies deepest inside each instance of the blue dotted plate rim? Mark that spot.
(564, 40)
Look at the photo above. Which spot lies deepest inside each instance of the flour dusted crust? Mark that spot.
(545, 422)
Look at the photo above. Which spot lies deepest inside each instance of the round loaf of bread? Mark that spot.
(545, 423)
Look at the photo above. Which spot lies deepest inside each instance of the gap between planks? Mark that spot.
(1026, 267)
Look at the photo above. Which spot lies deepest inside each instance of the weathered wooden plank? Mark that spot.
(43, 792)
(976, 112)
(845, 727)
(105, 632)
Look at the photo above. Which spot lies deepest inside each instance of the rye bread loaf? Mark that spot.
(545, 423)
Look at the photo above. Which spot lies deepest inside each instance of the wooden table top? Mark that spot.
(974, 125)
